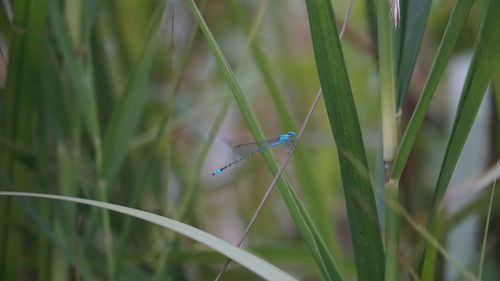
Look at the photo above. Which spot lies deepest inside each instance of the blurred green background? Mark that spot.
(122, 101)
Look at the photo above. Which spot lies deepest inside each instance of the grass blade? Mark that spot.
(126, 115)
(19, 115)
(495, 81)
(360, 201)
(303, 169)
(301, 218)
(430, 238)
(455, 25)
(79, 81)
(486, 228)
(258, 266)
(415, 19)
(484, 57)
(389, 131)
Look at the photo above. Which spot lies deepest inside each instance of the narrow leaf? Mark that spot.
(480, 70)
(362, 212)
(450, 37)
(129, 109)
(253, 263)
(301, 218)
(80, 83)
(415, 19)
(313, 196)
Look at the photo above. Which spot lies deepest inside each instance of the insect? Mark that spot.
(248, 149)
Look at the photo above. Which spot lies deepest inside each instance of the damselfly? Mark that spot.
(248, 149)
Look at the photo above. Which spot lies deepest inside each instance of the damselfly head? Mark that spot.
(291, 134)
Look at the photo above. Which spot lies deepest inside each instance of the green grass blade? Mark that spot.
(253, 263)
(455, 25)
(495, 81)
(485, 235)
(19, 125)
(227, 72)
(138, 189)
(360, 201)
(126, 115)
(312, 194)
(79, 80)
(81, 83)
(389, 134)
(387, 89)
(475, 207)
(430, 238)
(484, 56)
(23, 76)
(496, 96)
(125, 118)
(392, 233)
(415, 19)
(193, 188)
(301, 218)
(399, 35)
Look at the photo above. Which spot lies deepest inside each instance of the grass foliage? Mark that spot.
(113, 114)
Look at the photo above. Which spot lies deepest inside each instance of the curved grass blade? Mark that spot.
(360, 201)
(485, 56)
(301, 219)
(253, 263)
